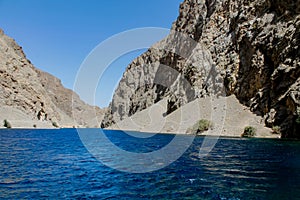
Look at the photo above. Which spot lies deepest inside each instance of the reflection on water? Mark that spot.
(54, 164)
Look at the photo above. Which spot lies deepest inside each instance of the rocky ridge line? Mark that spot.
(254, 46)
(30, 95)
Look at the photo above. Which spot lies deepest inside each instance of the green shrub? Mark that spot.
(276, 130)
(55, 124)
(200, 126)
(249, 131)
(6, 124)
(298, 120)
(298, 116)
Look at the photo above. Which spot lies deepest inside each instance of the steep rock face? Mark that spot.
(178, 69)
(69, 102)
(177, 76)
(38, 94)
(256, 43)
(252, 45)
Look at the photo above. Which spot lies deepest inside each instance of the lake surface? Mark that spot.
(54, 164)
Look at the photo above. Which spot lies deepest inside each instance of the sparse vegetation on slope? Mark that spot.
(276, 130)
(55, 124)
(200, 127)
(6, 124)
(249, 131)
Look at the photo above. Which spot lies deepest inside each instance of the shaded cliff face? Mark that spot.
(36, 94)
(254, 46)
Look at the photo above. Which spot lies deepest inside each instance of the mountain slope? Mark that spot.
(252, 45)
(230, 122)
(27, 91)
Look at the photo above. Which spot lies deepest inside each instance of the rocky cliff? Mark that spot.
(248, 48)
(30, 97)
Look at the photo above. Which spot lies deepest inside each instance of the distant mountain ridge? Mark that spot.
(30, 97)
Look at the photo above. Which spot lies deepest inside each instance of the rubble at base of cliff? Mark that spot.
(254, 46)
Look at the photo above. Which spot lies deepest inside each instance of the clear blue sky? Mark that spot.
(57, 35)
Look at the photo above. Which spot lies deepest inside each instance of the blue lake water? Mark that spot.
(54, 164)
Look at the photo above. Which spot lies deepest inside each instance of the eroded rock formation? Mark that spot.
(250, 48)
(37, 94)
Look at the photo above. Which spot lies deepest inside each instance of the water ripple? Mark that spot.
(53, 164)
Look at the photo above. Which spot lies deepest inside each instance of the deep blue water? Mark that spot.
(54, 164)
